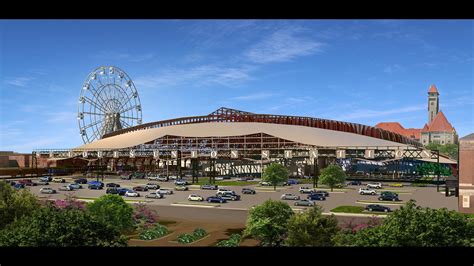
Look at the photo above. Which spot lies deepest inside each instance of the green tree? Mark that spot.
(15, 204)
(414, 226)
(49, 226)
(332, 176)
(274, 174)
(449, 149)
(311, 229)
(112, 210)
(268, 222)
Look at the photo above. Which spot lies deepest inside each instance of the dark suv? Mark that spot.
(80, 181)
(389, 197)
(112, 191)
(248, 191)
(316, 196)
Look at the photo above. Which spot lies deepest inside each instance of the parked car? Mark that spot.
(354, 183)
(222, 191)
(140, 188)
(322, 192)
(139, 175)
(316, 196)
(58, 180)
(42, 183)
(219, 178)
(213, 199)
(304, 203)
(152, 186)
(96, 183)
(94, 186)
(194, 197)
(126, 177)
(383, 193)
(153, 177)
(112, 190)
(289, 196)
(389, 197)
(66, 188)
(292, 182)
(131, 193)
(180, 182)
(122, 191)
(81, 181)
(75, 186)
(374, 185)
(162, 178)
(248, 191)
(209, 186)
(46, 178)
(19, 185)
(154, 195)
(164, 191)
(229, 196)
(172, 177)
(367, 191)
(27, 182)
(47, 190)
(112, 185)
(265, 183)
(306, 190)
(377, 208)
(181, 188)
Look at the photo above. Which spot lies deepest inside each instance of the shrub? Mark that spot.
(233, 241)
(154, 233)
(189, 238)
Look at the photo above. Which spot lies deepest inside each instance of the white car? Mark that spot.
(219, 178)
(47, 190)
(153, 177)
(173, 177)
(222, 191)
(58, 180)
(264, 183)
(367, 191)
(131, 193)
(306, 190)
(164, 191)
(374, 185)
(162, 178)
(194, 197)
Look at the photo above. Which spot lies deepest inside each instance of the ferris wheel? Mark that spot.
(108, 102)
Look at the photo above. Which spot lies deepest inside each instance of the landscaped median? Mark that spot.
(355, 210)
(196, 235)
(396, 203)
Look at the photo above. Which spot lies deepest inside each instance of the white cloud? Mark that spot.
(393, 68)
(367, 113)
(196, 76)
(281, 46)
(255, 96)
(19, 81)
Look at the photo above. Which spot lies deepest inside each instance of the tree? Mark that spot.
(332, 175)
(311, 229)
(449, 149)
(112, 210)
(15, 204)
(274, 174)
(268, 222)
(414, 226)
(50, 226)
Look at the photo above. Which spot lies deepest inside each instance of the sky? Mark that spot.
(362, 71)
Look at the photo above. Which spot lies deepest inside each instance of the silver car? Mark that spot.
(289, 196)
(304, 203)
(47, 190)
(164, 191)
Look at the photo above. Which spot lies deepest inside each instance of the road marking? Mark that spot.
(193, 205)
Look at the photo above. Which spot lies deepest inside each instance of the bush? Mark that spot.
(189, 238)
(233, 241)
(154, 233)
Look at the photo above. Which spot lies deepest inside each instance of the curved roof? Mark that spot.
(296, 133)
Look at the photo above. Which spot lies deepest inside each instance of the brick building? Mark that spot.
(437, 129)
(466, 174)
(12, 159)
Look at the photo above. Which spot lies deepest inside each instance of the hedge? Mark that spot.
(154, 233)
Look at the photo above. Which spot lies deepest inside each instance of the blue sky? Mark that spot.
(363, 71)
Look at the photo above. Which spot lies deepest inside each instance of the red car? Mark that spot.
(27, 182)
(140, 188)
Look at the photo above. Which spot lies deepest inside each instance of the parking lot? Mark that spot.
(348, 196)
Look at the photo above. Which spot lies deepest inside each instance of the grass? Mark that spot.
(203, 181)
(382, 202)
(355, 209)
(348, 209)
